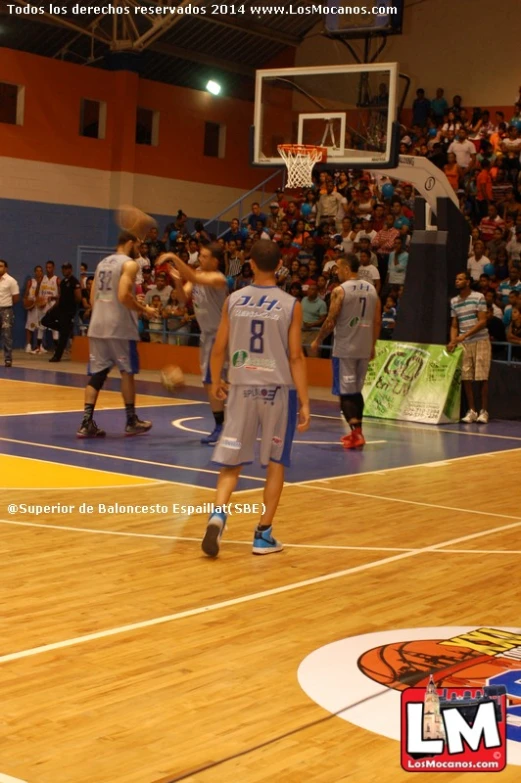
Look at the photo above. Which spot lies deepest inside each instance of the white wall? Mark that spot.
(53, 183)
(470, 47)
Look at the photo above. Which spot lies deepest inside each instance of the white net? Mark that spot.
(300, 160)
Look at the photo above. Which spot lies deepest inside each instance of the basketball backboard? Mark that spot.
(349, 109)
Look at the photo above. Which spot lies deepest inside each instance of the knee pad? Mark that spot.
(97, 379)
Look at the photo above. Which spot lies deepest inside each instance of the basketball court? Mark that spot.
(129, 656)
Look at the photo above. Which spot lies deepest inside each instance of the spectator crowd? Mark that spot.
(350, 211)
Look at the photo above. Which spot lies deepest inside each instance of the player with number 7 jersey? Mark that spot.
(260, 334)
(355, 317)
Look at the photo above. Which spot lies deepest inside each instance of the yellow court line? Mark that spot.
(55, 475)
(105, 391)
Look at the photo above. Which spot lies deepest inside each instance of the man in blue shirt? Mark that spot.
(255, 216)
(439, 105)
(512, 283)
(398, 260)
(235, 232)
(399, 218)
(420, 109)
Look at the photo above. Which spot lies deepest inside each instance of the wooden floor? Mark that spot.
(127, 657)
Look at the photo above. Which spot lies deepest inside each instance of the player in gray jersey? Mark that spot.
(208, 289)
(355, 317)
(113, 334)
(260, 333)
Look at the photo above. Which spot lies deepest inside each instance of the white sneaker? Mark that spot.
(471, 417)
(483, 417)
(41, 349)
(28, 348)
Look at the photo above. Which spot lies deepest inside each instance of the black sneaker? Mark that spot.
(137, 427)
(8, 363)
(54, 359)
(89, 429)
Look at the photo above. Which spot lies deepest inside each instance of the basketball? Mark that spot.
(172, 377)
(135, 220)
(406, 664)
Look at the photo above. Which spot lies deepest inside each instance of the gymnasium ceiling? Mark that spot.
(181, 49)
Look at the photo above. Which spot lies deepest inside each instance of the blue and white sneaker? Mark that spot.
(214, 531)
(213, 437)
(264, 543)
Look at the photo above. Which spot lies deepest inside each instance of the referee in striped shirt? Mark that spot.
(469, 329)
(234, 259)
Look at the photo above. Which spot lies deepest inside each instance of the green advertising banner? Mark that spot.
(413, 382)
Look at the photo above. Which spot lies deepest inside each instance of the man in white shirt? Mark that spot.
(478, 261)
(143, 261)
(365, 244)
(9, 296)
(368, 271)
(367, 231)
(345, 238)
(193, 253)
(329, 204)
(464, 150)
(514, 246)
(160, 289)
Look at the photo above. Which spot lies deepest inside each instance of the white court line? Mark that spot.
(124, 459)
(159, 536)
(245, 598)
(405, 426)
(153, 483)
(481, 551)
(408, 502)
(9, 779)
(179, 423)
(174, 404)
(383, 471)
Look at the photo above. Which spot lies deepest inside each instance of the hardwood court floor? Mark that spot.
(127, 657)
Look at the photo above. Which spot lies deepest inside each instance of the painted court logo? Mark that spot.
(361, 679)
(457, 729)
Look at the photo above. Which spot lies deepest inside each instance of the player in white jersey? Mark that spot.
(260, 332)
(113, 334)
(50, 293)
(355, 316)
(208, 288)
(34, 303)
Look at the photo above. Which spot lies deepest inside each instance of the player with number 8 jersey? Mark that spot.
(260, 335)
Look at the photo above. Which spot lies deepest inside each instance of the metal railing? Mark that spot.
(506, 353)
(218, 225)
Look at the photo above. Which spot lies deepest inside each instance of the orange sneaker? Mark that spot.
(355, 440)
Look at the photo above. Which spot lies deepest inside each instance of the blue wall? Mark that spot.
(34, 232)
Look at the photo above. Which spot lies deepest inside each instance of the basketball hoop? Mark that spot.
(299, 160)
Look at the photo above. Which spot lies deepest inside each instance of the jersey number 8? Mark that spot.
(257, 337)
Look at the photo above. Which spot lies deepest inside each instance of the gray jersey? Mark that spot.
(208, 304)
(354, 326)
(111, 319)
(260, 317)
